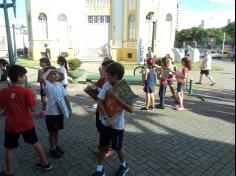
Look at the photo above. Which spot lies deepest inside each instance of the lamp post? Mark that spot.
(152, 18)
(5, 7)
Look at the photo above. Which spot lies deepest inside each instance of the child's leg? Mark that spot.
(39, 149)
(180, 96)
(148, 100)
(8, 160)
(53, 139)
(121, 155)
(153, 99)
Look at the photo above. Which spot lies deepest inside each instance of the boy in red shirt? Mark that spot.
(17, 103)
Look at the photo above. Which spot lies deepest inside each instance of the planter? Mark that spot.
(75, 75)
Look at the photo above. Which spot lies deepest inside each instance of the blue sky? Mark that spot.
(214, 12)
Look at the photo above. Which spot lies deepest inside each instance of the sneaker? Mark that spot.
(122, 170)
(160, 106)
(55, 153)
(109, 153)
(144, 109)
(59, 149)
(96, 151)
(177, 106)
(3, 173)
(151, 108)
(180, 108)
(102, 173)
(43, 167)
(213, 84)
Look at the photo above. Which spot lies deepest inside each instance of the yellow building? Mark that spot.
(93, 29)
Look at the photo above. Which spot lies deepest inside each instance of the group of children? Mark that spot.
(167, 72)
(18, 103)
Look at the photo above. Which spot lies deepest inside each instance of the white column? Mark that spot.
(117, 17)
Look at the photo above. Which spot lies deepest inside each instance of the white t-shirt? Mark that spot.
(62, 70)
(53, 91)
(207, 62)
(118, 122)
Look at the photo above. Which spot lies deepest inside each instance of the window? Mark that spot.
(98, 2)
(62, 17)
(131, 26)
(98, 19)
(43, 26)
(62, 27)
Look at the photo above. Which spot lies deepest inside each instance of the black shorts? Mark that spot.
(54, 123)
(205, 72)
(12, 139)
(111, 136)
(180, 87)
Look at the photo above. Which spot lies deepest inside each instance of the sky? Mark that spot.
(214, 12)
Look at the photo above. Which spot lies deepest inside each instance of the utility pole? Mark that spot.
(223, 44)
(5, 7)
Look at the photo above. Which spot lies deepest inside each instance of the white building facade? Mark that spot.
(93, 29)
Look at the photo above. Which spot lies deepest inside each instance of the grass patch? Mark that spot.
(26, 62)
(129, 65)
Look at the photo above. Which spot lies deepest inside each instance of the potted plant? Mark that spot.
(74, 72)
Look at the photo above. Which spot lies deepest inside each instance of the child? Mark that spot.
(112, 130)
(17, 101)
(163, 83)
(43, 62)
(181, 78)
(54, 118)
(63, 70)
(170, 79)
(99, 84)
(150, 83)
(3, 69)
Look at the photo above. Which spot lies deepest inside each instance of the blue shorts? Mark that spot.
(149, 89)
(170, 82)
(180, 87)
(111, 136)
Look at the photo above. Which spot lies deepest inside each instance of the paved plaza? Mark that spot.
(199, 141)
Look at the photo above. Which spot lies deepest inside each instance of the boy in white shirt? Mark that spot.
(112, 130)
(54, 118)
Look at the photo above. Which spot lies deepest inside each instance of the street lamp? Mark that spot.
(152, 18)
(5, 7)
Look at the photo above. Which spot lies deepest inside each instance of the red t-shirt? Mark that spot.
(16, 102)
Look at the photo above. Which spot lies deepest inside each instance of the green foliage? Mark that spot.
(203, 35)
(75, 64)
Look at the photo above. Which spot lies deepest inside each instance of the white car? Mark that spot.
(214, 54)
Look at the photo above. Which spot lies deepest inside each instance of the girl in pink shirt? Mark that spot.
(181, 78)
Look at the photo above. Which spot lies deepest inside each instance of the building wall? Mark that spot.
(165, 30)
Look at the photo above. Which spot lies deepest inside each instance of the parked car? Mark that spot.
(214, 54)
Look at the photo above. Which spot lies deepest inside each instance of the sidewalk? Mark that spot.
(197, 142)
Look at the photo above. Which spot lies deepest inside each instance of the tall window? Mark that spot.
(132, 26)
(62, 27)
(43, 26)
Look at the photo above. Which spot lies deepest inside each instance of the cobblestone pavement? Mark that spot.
(197, 142)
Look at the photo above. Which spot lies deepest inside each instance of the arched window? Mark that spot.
(132, 27)
(62, 28)
(43, 26)
(169, 20)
